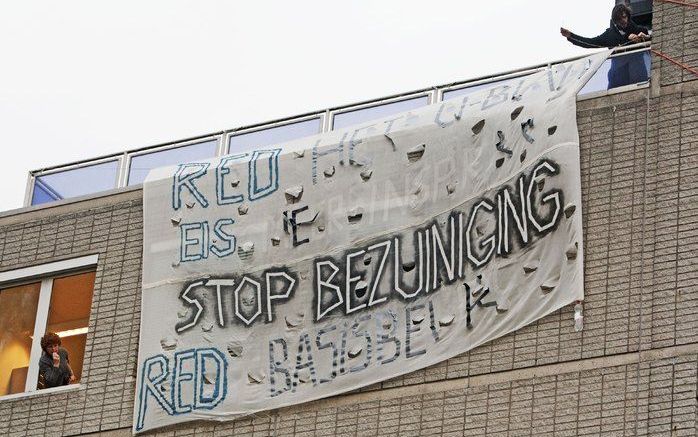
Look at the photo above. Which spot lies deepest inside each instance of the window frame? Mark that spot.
(45, 274)
(128, 156)
(484, 81)
(33, 175)
(321, 116)
(620, 51)
(332, 113)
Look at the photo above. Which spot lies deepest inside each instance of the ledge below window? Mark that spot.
(617, 90)
(29, 394)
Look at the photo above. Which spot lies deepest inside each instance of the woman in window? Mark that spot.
(54, 365)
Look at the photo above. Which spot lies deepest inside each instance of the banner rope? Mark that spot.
(674, 61)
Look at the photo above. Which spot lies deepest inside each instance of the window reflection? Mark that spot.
(142, 164)
(620, 71)
(246, 142)
(75, 182)
(359, 116)
(17, 318)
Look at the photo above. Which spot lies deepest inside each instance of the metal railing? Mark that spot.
(120, 170)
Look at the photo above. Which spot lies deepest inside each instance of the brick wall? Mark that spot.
(112, 229)
(675, 35)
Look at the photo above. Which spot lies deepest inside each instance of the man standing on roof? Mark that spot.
(626, 69)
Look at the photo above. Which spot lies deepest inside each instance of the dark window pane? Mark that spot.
(75, 182)
(273, 136)
(142, 164)
(17, 317)
(620, 71)
(375, 112)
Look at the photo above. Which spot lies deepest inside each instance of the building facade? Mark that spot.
(632, 370)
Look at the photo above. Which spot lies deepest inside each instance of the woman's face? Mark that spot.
(52, 349)
(623, 20)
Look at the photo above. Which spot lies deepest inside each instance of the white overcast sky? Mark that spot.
(80, 79)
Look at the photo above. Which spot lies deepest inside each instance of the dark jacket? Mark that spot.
(55, 376)
(612, 37)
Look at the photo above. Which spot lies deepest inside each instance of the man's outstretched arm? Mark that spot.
(603, 40)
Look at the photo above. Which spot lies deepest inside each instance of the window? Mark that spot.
(620, 70)
(54, 297)
(142, 164)
(460, 92)
(246, 142)
(75, 182)
(362, 115)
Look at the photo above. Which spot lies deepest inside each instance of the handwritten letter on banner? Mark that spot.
(308, 269)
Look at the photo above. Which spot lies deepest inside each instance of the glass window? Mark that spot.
(359, 116)
(471, 89)
(620, 71)
(75, 182)
(246, 142)
(69, 315)
(18, 307)
(59, 304)
(142, 164)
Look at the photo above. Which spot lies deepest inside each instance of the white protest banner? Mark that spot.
(308, 269)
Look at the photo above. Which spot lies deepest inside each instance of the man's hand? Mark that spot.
(56, 359)
(564, 32)
(72, 378)
(635, 38)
